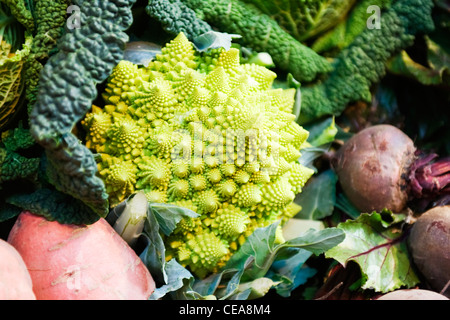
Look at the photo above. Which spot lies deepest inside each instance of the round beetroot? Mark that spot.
(429, 243)
(412, 294)
(372, 165)
(380, 168)
(71, 262)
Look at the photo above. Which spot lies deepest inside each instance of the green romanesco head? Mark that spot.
(201, 131)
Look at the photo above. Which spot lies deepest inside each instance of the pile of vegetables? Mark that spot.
(238, 149)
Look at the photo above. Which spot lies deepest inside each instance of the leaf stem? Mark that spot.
(131, 222)
(389, 244)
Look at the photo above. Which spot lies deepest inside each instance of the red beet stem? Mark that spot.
(432, 183)
(440, 167)
(429, 177)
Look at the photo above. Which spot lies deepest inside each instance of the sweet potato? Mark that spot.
(15, 281)
(71, 262)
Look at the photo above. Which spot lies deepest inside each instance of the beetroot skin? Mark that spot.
(429, 243)
(380, 168)
(372, 166)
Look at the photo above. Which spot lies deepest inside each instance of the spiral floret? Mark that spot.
(200, 130)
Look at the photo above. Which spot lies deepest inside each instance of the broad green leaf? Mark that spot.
(258, 245)
(323, 132)
(232, 286)
(318, 197)
(291, 272)
(168, 215)
(170, 277)
(374, 241)
(153, 255)
(177, 276)
(439, 57)
(222, 285)
(163, 218)
(209, 285)
(316, 241)
(261, 246)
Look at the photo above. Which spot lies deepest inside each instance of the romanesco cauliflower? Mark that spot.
(201, 131)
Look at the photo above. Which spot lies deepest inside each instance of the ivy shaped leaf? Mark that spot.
(374, 241)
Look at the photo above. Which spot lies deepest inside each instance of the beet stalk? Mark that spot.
(429, 180)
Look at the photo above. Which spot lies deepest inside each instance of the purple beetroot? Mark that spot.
(380, 168)
(429, 243)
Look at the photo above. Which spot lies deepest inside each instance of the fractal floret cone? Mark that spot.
(200, 130)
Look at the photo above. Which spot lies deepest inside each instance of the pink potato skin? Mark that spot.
(15, 281)
(70, 262)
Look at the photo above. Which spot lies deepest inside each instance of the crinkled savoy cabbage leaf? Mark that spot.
(11, 81)
(304, 19)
